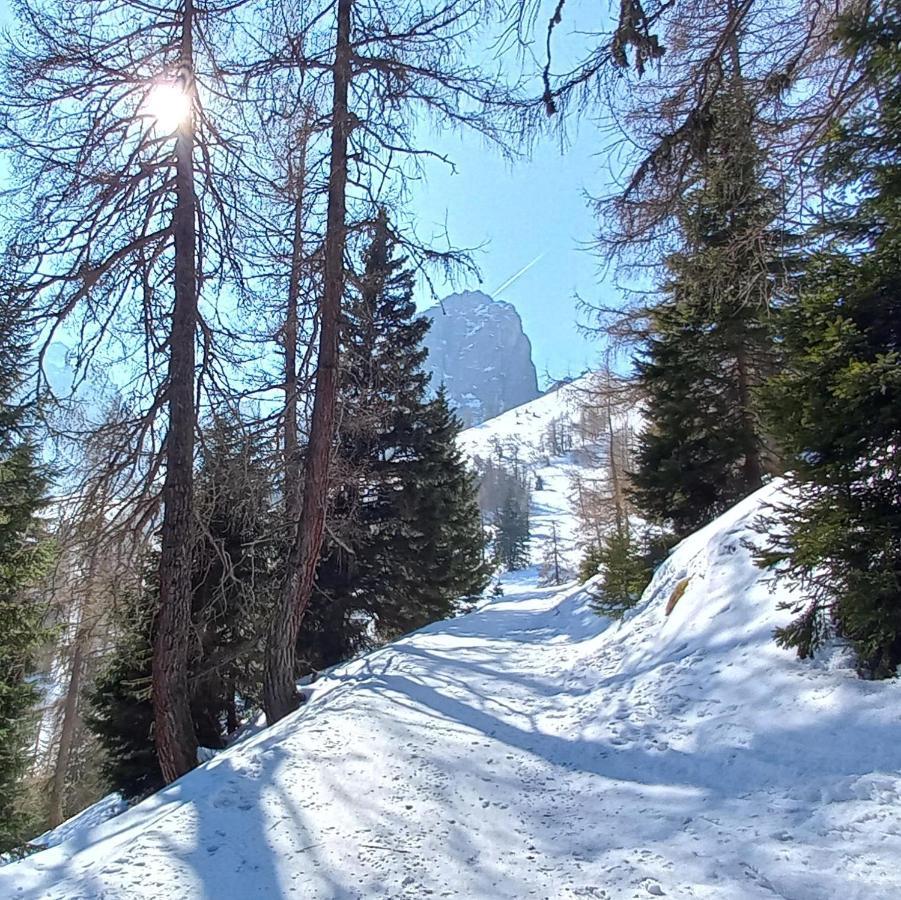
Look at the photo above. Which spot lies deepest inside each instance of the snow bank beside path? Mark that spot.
(532, 749)
(106, 808)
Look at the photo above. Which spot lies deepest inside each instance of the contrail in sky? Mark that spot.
(513, 278)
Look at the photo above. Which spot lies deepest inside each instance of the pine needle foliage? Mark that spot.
(625, 572)
(405, 539)
(511, 524)
(24, 554)
(236, 560)
(709, 341)
(837, 407)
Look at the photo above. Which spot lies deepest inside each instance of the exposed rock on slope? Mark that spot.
(479, 351)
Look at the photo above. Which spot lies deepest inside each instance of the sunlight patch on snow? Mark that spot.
(532, 748)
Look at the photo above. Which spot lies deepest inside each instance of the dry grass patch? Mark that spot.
(678, 591)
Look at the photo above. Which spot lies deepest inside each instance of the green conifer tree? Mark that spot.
(511, 525)
(120, 713)
(451, 542)
(625, 571)
(590, 564)
(837, 407)
(23, 555)
(710, 342)
(405, 538)
(235, 561)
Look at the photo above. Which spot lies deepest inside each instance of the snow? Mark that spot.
(75, 828)
(533, 749)
(521, 433)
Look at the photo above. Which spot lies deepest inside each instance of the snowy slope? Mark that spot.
(522, 431)
(531, 749)
(83, 823)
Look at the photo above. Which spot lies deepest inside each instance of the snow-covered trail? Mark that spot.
(430, 767)
(532, 749)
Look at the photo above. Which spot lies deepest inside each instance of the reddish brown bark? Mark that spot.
(279, 691)
(176, 743)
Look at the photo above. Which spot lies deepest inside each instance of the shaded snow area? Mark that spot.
(531, 749)
(80, 827)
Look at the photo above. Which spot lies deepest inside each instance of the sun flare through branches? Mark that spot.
(167, 105)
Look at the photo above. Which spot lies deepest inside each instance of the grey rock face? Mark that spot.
(479, 351)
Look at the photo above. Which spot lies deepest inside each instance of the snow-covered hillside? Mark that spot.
(522, 433)
(531, 749)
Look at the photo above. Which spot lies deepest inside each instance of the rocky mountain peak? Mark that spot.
(479, 351)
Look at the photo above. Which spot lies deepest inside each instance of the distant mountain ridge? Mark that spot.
(480, 353)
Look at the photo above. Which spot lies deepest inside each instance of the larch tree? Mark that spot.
(552, 569)
(279, 692)
(387, 66)
(652, 73)
(301, 271)
(120, 165)
(601, 493)
(174, 732)
(282, 238)
(235, 561)
(94, 565)
(90, 570)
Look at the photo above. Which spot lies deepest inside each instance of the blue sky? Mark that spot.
(530, 208)
(518, 212)
(521, 211)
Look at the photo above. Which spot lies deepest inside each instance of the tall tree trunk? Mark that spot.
(279, 692)
(752, 467)
(70, 723)
(231, 709)
(292, 449)
(292, 452)
(176, 743)
(753, 463)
